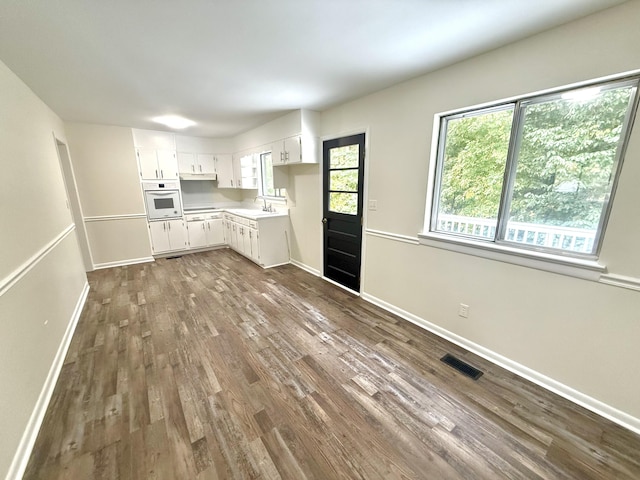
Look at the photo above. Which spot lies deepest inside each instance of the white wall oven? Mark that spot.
(162, 200)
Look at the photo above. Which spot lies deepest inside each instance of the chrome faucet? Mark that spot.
(266, 208)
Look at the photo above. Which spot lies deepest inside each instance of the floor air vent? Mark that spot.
(462, 367)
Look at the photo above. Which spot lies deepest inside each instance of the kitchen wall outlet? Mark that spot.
(463, 310)
(373, 205)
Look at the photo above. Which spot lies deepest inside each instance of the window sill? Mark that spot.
(281, 200)
(574, 267)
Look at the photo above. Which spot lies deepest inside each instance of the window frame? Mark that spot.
(279, 197)
(500, 248)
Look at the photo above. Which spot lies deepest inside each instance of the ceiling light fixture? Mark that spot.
(174, 121)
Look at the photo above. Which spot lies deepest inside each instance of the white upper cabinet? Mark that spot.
(224, 169)
(199, 158)
(288, 151)
(196, 163)
(292, 138)
(205, 163)
(167, 164)
(186, 162)
(303, 145)
(157, 164)
(148, 163)
(156, 153)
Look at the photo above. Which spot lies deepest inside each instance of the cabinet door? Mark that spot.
(186, 162)
(197, 234)
(205, 163)
(224, 169)
(148, 162)
(240, 236)
(159, 237)
(255, 249)
(215, 232)
(227, 232)
(277, 153)
(167, 164)
(177, 234)
(293, 150)
(235, 236)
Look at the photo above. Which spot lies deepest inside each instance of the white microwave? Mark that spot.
(162, 200)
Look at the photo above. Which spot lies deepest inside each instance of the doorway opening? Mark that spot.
(73, 203)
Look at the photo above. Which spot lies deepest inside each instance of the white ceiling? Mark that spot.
(233, 64)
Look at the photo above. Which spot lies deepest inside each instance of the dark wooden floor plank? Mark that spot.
(208, 367)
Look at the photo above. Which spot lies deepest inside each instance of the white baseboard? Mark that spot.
(339, 285)
(21, 457)
(122, 263)
(306, 268)
(596, 406)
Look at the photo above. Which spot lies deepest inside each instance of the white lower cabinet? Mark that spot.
(215, 233)
(265, 241)
(255, 245)
(205, 232)
(248, 242)
(168, 235)
(197, 233)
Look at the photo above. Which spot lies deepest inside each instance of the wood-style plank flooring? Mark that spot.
(208, 367)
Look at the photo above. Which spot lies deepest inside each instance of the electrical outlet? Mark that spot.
(463, 310)
(373, 205)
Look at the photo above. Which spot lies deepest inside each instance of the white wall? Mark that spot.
(106, 171)
(39, 259)
(305, 211)
(579, 333)
(286, 126)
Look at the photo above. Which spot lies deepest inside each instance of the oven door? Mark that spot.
(163, 204)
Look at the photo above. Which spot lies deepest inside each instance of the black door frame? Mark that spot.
(356, 222)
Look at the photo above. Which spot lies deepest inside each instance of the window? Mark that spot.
(268, 187)
(537, 173)
(344, 164)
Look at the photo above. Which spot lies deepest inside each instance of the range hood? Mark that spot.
(198, 176)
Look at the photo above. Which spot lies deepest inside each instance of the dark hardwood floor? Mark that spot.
(208, 367)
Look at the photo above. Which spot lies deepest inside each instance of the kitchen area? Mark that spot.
(147, 193)
(185, 184)
(214, 192)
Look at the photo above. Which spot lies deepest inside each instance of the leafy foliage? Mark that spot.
(475, 157)
(343, 177)
(565, 160)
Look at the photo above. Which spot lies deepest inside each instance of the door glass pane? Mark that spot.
(343, 180)
(473, 164)
(344, 157)
(343, 203)
(565, 168)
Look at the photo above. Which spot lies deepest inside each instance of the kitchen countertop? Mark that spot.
(200, 211)
(251, 213)
(255, 214)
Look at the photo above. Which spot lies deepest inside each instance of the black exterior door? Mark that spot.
(343, 173)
